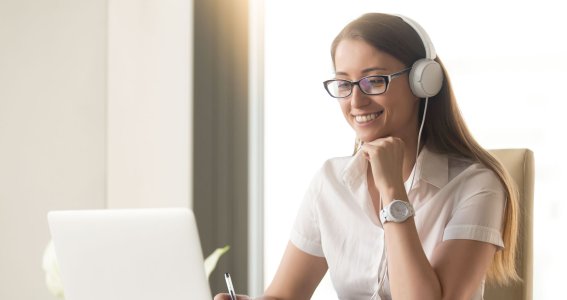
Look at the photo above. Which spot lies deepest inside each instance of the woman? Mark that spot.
(420, 211)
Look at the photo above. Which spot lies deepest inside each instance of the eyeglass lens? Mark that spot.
(371, 85)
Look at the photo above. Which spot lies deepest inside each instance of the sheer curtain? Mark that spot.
(506, 62)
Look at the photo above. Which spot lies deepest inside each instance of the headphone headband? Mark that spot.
(426, 75)
(427, 44)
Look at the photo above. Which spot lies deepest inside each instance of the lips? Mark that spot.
(366, 118)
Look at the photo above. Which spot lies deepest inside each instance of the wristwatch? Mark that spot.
(397, 211)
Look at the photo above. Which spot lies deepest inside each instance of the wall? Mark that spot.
(52, 127)
(149, 87)
(94, 112)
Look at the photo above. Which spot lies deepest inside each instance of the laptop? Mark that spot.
(129, 254)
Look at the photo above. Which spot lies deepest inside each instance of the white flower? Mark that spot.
(52, 275)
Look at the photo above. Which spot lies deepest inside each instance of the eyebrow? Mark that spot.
(367, 70)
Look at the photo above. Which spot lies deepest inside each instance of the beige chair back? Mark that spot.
(520, 165)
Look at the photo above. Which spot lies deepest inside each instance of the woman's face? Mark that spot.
(393, 113)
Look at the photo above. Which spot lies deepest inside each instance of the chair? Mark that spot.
(520, 165)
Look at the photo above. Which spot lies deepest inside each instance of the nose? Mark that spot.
(358, 98)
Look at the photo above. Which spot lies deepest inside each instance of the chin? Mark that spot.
(366, 138)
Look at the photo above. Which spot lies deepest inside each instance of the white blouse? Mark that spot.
(453, 198)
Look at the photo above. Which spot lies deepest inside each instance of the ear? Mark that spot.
(426, 78)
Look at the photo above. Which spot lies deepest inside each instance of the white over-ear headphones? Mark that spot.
(426, 75)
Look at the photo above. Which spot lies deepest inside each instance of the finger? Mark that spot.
(225, 296)
(370, 150)
(222, 296)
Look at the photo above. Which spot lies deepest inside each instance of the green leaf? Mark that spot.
(212, 260)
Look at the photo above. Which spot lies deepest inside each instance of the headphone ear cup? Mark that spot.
(426, 78)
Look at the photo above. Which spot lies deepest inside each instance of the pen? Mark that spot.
(229, 286)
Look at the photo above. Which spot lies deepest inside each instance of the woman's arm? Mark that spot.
(455, 272)
(297, 277)
(461, 265)
(457, 266)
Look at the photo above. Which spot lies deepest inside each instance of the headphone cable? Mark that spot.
(381, 282)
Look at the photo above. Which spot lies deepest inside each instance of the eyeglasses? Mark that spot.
(370, 85)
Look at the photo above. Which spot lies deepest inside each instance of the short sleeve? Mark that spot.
(306, 234)
(479, 212)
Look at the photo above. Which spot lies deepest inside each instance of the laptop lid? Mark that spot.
(127, 254)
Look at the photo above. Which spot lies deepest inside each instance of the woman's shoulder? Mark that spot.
(468, 170)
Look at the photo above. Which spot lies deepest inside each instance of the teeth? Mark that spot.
(366, 118)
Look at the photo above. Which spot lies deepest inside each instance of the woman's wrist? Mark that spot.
(394, 192)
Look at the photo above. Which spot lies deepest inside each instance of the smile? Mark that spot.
(361, 119)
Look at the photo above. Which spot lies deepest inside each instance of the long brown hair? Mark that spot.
(444, 130)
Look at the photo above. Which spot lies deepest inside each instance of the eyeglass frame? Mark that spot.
(387, 80)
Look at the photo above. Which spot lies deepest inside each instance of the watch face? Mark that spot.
(399, 210)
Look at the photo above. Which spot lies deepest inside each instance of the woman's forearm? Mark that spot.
(411, 275)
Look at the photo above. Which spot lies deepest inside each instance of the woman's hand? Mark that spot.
(225, 296)
(386, 157)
